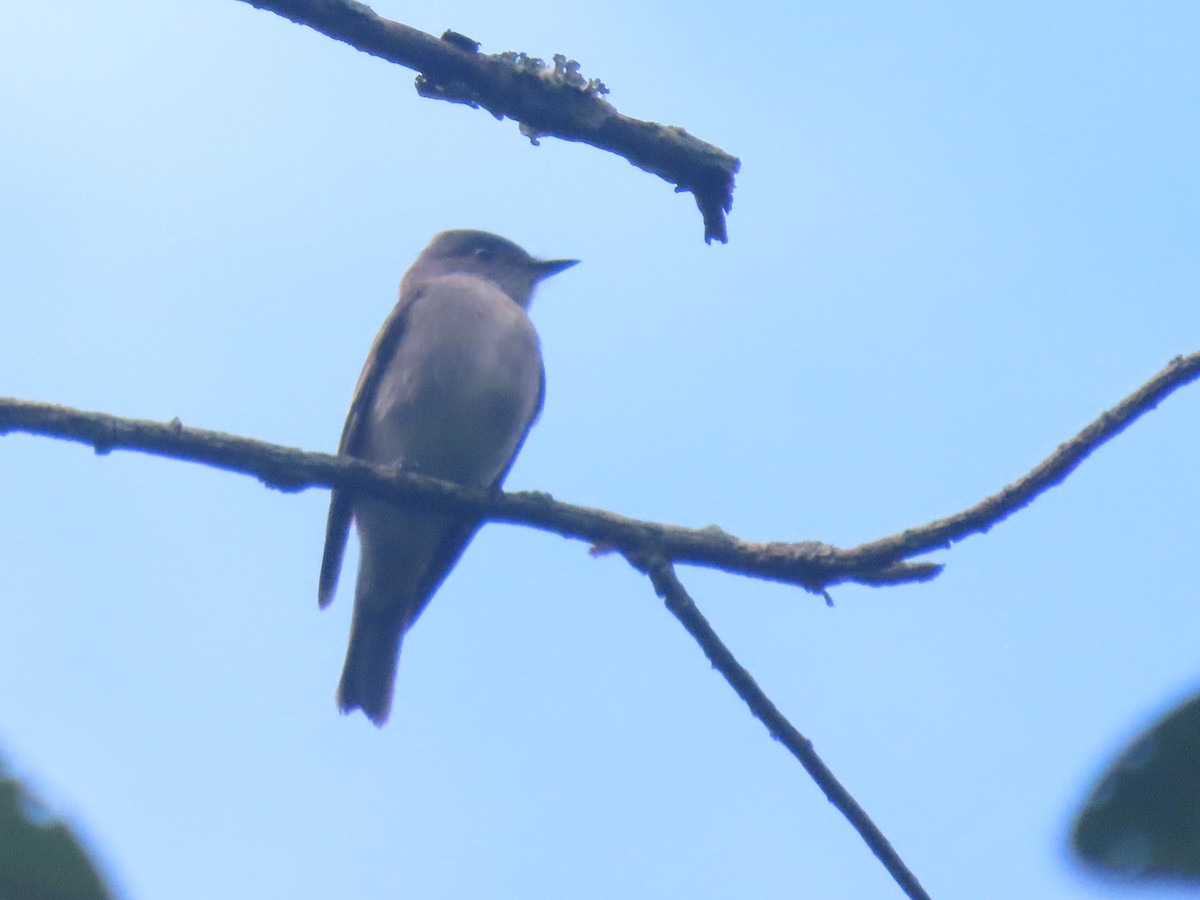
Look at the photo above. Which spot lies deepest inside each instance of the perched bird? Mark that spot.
(450, 389)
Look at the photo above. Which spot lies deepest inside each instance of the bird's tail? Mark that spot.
(370, 671)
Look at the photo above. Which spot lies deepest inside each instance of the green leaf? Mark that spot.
(1142, 820)
(40, 859)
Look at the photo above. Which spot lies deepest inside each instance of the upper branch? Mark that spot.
(547, 101)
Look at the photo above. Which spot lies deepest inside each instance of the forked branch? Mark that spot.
(652, 547)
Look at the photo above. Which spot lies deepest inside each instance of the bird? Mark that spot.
(450, 389)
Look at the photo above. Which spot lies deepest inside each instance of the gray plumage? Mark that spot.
(450, 389)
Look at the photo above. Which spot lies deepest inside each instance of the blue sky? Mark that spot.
(960, 233)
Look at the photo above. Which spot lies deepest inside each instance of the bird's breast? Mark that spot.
(462, 386)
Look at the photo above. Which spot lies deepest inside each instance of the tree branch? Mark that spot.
(1050, 472)
(667, 585)
(651, 547)
(547, 101)
(809, 565)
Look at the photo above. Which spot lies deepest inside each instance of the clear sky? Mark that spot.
(960, 232)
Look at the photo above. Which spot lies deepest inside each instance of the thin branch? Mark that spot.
(667, 585)
(1050, 472)
(808, 565)
(553, 101)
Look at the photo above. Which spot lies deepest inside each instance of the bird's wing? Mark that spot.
(341, 507)
(537, 411)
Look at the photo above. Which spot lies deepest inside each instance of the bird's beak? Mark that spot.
(548, 267)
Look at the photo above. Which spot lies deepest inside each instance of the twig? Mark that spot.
(550, 101)
(667, 585)
(1052, 471)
